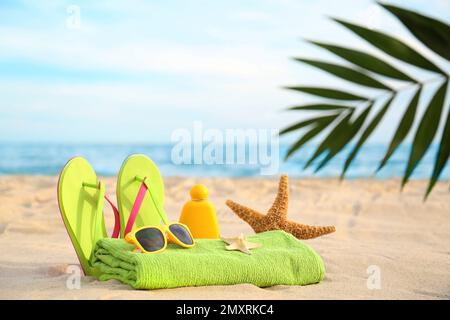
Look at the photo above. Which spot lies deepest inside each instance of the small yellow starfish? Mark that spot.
(241, 244)
(276, 217)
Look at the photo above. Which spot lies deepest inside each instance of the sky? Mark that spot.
(111, 71)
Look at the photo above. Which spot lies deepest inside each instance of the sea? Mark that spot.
(49, 158)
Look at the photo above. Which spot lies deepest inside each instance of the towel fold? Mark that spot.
(282, 260)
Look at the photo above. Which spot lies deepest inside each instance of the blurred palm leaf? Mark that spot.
(308, 122)
(346, 73)
(366, 134)
(338, 139)
(392, 46)
(321, 106)
(341, 127)
(317, 127)
(329, 93)
(426, 131)
(366, 61)
(403, 128)
(442, 156)
(433, 33)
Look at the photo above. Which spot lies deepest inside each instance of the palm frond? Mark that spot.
(329, 93)
(314, 131)
(341, 127)
(346, 73)
(366, 61)
(308, 122)
(442, 155)
(403, 128)
(433, 33)
(366, 134)
(392, 46)
(327, 143)
(321, 107)
(426, 131)
(343, 139)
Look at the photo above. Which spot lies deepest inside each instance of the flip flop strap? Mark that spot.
(116, 230)
(137, 205)
(162, 214)
(97, 227)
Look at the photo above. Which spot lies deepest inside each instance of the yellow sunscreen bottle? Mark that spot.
(199, 215)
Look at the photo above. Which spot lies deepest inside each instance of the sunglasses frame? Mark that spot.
(167, 235)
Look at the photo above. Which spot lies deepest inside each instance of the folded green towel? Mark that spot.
(282, 260)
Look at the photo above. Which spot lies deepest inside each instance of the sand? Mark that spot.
(388, 245)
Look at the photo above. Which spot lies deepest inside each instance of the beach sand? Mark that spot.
(395, 235)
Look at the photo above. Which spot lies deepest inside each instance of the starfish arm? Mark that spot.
(303, 231)
(252, 217)
(251, 245)
(239, 247)
(228, 240)
(232, 246)
(278, 211)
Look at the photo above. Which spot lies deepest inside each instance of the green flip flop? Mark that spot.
(140, 189)
(81, 198)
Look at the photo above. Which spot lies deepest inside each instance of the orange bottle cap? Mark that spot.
(199, 192)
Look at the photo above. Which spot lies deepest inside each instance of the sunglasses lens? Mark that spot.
(151, 239)
(181, 233)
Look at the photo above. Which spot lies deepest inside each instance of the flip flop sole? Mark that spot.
(139, 165)
(78, 204)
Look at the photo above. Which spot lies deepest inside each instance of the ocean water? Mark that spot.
(48, 159)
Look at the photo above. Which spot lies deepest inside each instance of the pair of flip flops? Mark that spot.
(81, 197)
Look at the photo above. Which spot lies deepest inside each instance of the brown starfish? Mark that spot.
(276, 217)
